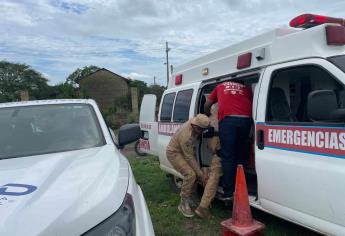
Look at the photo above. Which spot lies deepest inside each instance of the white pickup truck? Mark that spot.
(62, 174)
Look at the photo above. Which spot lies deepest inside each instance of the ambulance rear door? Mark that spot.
(177, 106)
(148, 124)
(300, 159)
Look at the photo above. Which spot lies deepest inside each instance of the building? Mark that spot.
(107, 88)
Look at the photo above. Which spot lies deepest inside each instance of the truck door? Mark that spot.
(148, 124)
(300, 161)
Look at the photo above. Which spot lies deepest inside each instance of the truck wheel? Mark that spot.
(175, 183)
(137, 149)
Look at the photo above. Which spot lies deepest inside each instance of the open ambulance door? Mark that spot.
(300, 168)
(148, 124)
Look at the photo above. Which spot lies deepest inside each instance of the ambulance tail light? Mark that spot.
(178, 79)
(335, 35)
(244, 60)
(310, 20)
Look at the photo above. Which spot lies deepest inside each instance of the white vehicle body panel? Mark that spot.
(75, 190)
(279, 45)
(148, 124)
(301, 181)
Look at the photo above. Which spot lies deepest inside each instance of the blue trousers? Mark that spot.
(233, 135)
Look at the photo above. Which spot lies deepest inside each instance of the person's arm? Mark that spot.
(207, 107)
(188, 151)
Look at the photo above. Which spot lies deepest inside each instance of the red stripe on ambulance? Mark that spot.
(322, 140)
(145, 125)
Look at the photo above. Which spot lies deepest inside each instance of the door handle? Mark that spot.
(260, 139)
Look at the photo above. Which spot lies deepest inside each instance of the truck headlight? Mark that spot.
(121, 223)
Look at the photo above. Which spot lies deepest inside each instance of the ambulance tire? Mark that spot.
(137, 149)
(175, 183)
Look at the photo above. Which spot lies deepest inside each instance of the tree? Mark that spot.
(74, 78)
(18, 77)
(144, 89)
(157, 90)
(63, 90)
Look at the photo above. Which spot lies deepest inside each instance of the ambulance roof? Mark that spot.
(276, 46)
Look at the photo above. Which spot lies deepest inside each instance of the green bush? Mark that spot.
(132, 118)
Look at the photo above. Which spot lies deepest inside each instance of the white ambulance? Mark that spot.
(297, 165)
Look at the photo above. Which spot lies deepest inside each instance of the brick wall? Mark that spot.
(104, 87)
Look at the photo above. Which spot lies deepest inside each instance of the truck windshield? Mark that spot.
(42, 129)
(339, 61)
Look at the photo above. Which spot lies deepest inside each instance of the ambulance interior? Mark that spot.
(290, 89)
(287, 103)
(205, 154)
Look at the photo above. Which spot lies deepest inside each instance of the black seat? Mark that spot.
(279, 109)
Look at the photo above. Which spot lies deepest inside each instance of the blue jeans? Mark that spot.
(233, 135)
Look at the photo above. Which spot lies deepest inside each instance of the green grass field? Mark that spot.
(162, 203)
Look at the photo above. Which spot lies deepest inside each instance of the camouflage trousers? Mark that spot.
(214, 174)
(182, 165)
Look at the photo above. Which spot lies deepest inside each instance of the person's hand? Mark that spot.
(204, 176)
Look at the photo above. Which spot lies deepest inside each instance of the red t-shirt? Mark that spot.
(233, 99)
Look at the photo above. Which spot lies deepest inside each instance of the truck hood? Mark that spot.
(64, 193)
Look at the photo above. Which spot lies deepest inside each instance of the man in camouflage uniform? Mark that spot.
(214, 171)
(180, 153)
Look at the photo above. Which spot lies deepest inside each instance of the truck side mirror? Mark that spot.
(323, 106)
(128, 133)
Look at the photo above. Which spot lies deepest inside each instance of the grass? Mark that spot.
(162, 203)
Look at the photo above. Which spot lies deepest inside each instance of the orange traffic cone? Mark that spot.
(241, 222)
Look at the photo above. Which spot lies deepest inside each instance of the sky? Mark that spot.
(55, 37)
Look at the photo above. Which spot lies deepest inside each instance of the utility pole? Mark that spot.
(154, 80)
(167, 49)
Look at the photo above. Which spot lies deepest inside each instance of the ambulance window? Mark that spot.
(182, 105)
(289, 90)
(167, 106)
(339, 61)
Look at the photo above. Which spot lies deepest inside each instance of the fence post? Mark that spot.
(135, 106)
(24, 95)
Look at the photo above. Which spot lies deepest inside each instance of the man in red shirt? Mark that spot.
(234, 117)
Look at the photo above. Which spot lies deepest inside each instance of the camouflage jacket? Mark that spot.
(183, 142)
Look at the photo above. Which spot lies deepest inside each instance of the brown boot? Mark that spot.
(185, 209)
(202, 212)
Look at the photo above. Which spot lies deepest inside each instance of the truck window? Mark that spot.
(289, 90)
(182, 105)
(167, 106)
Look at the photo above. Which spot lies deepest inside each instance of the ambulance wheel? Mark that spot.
(175, 183)
(137, 149)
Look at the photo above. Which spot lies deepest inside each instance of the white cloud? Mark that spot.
(137, 76)
(128, 37)
(15, 14)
